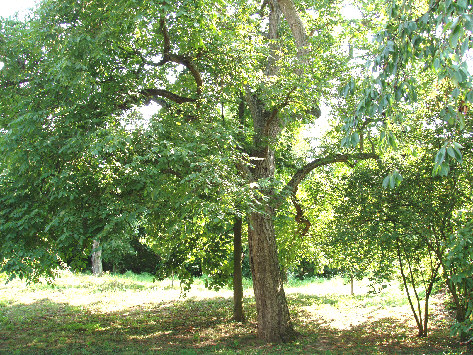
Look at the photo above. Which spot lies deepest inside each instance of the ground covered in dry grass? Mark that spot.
(129, 314)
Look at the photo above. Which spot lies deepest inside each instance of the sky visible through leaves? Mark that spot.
(20, 7)
(9, 7)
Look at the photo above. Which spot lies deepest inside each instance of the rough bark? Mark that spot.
(274, 323)
(97, 268)
(238, 314)
(297, 27)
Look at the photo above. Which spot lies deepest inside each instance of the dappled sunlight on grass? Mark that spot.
(108, 292)
(126, 314)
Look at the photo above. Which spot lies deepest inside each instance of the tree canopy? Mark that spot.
(235, 81)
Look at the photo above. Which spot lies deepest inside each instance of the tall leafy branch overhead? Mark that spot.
(418, 38)
(168, 56)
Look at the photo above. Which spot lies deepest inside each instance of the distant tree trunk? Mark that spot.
(460, 312)
(238, 313)
(352, 291)
(465, 337)
(97, 268)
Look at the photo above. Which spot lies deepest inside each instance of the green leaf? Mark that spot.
(440, 157)
(455, 35)
(463, 4)
(355, 139)
(451, 152)
(444, 169)
(386, 181)
(458, 155)
(392, 182)
(469, 23)
(397, 177)
(469, 96)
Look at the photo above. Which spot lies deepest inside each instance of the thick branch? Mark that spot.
(302, 173)
(167, 41)
(273, 26)
(263, 5)
(151, 93)
(189, 64)
(296, 25)
(179, 59)
(244, 170)
(300, 218)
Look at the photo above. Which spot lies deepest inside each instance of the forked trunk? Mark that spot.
(274, 323)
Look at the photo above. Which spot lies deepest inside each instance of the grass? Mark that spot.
(129, 314)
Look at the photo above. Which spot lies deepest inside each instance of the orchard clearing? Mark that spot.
(131, 314)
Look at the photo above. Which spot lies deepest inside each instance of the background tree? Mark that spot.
(413, 222)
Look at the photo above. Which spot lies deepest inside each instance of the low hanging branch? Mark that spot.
(293, 185)
(302, 173)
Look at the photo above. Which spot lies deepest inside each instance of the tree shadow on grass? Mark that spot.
(375, 335)
(189, 326)
(193, 327)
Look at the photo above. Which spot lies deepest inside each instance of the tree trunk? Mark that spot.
(418, 318)
(274, 323)
(352, 285)
(460, 317)
(97, 268)
(238, 314)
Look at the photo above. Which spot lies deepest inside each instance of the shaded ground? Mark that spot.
(139, 318)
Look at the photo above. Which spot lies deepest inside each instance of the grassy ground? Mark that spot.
(129, 314)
